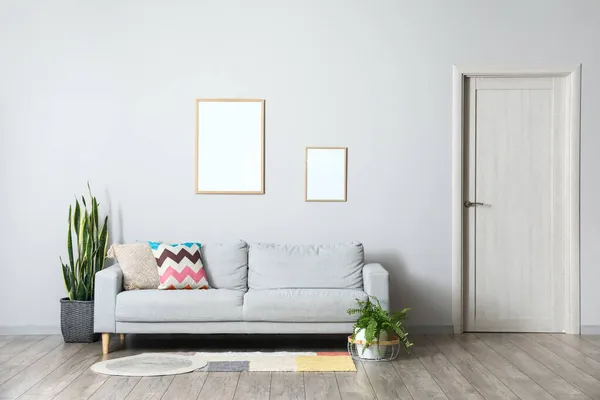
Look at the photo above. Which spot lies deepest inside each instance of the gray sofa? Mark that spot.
(256, 288)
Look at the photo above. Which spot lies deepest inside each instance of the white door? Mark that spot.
(516, 146)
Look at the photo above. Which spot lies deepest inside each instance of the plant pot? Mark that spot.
(77, 321)
(371, 352)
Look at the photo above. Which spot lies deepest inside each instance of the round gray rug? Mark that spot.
(149, 364)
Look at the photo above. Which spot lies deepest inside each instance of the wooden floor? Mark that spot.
(470, 366)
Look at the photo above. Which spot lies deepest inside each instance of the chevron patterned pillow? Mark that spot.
(179, 266)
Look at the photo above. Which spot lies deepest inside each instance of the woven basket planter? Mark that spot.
(77, 321)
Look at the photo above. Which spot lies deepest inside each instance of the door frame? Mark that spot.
(573, 98)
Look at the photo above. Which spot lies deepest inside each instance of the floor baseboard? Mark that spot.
(430, 330)
(30, 330)
(590, 329)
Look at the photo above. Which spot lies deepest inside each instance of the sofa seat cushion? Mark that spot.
(179, 305)
(300, 305)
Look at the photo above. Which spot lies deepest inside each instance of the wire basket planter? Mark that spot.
(385, 350)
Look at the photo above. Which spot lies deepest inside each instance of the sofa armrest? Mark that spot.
(376, 283)
(109, 282)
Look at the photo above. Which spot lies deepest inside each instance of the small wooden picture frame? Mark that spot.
(230, 146)
(326, 174)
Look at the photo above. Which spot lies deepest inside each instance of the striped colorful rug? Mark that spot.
(281, 361)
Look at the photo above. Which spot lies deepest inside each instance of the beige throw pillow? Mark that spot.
(138, 265)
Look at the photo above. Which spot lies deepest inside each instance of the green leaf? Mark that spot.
(70, 240)
(370, 332)
(81, 292)
(82, 230)
(73, 288)
(77, 227)
(102, 245)
(90, 258)
(67, 278)
(94, 210)
(77, 217)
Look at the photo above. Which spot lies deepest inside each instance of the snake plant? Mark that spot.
(90, 248)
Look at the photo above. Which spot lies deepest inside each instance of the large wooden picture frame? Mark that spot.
(326, 174)
(230, 146)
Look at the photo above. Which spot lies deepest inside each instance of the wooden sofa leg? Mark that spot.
(122, 336)
(105, 342)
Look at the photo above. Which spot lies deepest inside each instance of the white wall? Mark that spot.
(105, 91)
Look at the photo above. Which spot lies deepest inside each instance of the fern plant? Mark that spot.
(90, 244)
(374, 320)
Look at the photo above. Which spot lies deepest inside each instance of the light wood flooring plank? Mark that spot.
(511, 376)
(37, 371)
(186, 386)
(479, 376)
(583, 381)
(28, 356)
(220, 385)
(86, 384)
(6, 339)
(18, 345)
(539, 373)
(569, 353)
(150, 388)
(385, 381)
(418, 381)
(253, 386)
(593, 339)
(355, 385)
(62, 376)
(116, 388)
(83, 387)
(287, 386)
(450, 380)
(321, 386)
(577, 342)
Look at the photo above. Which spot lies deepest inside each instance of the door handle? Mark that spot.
(473, 204)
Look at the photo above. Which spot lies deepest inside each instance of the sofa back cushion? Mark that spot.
(226, 264)
(338, 266)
